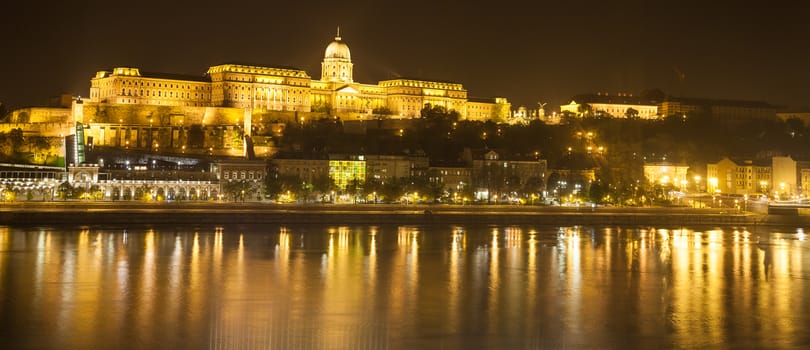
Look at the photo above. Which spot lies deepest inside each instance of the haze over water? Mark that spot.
(403, 287)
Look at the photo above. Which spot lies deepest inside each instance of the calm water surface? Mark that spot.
(403, 287)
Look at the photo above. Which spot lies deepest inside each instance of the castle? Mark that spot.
(261, 89)
(212, 113)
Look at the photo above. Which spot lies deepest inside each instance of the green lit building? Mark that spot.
(345, 169)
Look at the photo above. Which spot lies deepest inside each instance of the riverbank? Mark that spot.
(85, 213)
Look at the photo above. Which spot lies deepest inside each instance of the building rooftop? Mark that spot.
(720, 102)
(627, 99)
(171, 76)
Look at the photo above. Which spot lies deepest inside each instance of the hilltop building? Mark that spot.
(625, 105)
(726, 110)
(259, 89)
(621, 105)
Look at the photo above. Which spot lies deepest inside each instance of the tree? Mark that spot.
(596, 192)
(392, 190)
(533, 185)
(381, 112)
(631, 113)
(321, 107)
(354, 188)
(17, 139)
(65, 190)
(420, 185)
(323, 185)
(585, 110)
(276, 185)
(238, 189)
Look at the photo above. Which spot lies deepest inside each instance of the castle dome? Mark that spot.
(338, 49)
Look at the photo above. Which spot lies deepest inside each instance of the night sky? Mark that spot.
(526, 51)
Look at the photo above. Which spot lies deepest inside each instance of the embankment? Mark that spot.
(93, 213)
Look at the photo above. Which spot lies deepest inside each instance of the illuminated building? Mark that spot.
(452, 178)
(666, 173)
(803, 177)
(616, 106)
(738, 176)
(790, 176)
(260, 89)
(725, 110)
(304, 166)
(491, 170)
(384, 168)
(784, 175)
(345, 169)
(804, 117)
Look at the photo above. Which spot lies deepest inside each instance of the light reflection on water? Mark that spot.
(403, 287)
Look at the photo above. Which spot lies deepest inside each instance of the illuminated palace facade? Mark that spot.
(267, 89)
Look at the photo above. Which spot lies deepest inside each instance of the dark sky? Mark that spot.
(526, 51)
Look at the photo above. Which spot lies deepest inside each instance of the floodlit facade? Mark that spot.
(344, 170)
(738, 177)
(666, 174)
(617, 106)
(726, 110)
(261, 89)
(385, 168)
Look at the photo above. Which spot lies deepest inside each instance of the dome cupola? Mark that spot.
(338, 49)
(337, 62)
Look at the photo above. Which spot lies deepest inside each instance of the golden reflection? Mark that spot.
(454, 275)
(121, 276)
(5, 245)
(573, 270)
(413, 257)
(608, 237)
(513, 236)
(512, 283)
(196, 281)
(459, 240)
(402, 236)
(343, 239)
(175, 280)
(494, 279)
(372, 246)
(696, 289)
(371, 271)
(283, 253)
(343, 280)
(665, 253)
(146, 292)
(218, 246)
(531, 283)
(240, 253)
(42, 250)
(283, 240)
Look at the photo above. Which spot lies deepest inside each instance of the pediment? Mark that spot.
(346, 89)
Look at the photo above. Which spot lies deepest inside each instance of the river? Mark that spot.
(403, 287)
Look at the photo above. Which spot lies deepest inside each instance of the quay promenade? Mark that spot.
(217, 213)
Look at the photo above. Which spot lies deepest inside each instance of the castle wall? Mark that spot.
(40, 115)
(54, 129)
